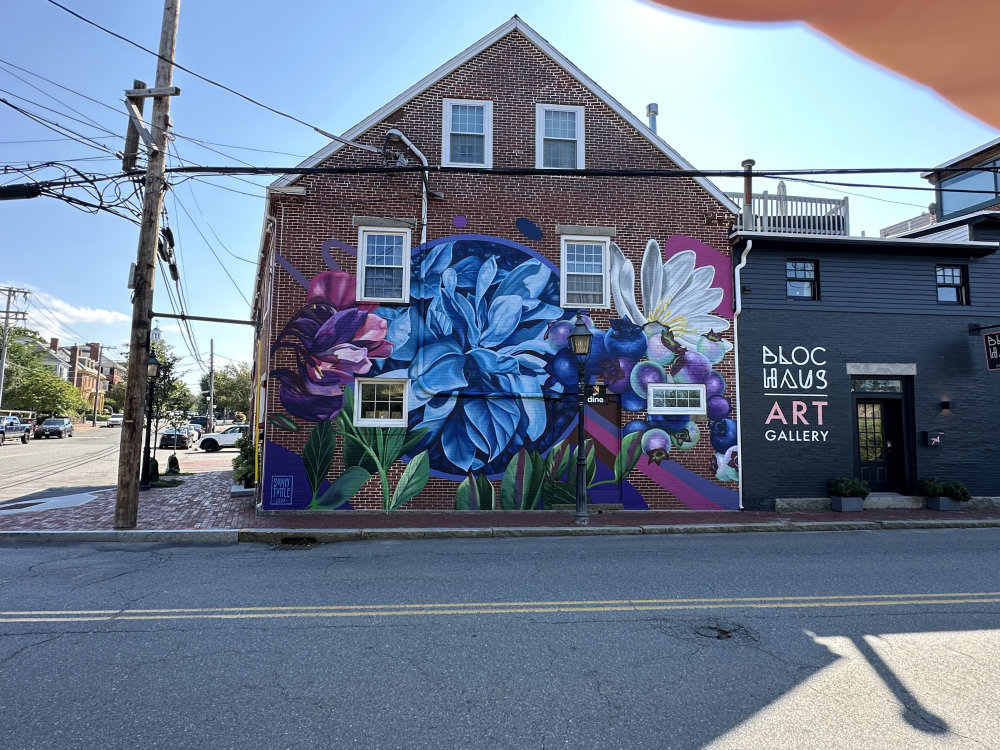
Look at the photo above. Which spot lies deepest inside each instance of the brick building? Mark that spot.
(413, 348)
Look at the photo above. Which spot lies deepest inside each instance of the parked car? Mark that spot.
(12, 428)
(115, 420)
(214, 441)
(59, 427)
(175, 437)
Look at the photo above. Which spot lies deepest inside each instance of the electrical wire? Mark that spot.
(58, 128)
(222, 86)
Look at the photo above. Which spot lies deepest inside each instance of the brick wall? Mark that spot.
(514, 75)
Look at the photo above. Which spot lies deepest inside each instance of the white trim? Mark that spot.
(605, 243)
(405, 234)
(514, 24)
(360, 421)
(487, 132)
(689, 387)
(540, 110)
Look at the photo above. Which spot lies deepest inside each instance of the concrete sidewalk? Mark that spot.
(203, 510)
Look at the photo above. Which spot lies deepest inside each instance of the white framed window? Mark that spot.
(380, 402)
(675, 398)
(383, 264)
(559, 142)
(467, 133)
(584, 277)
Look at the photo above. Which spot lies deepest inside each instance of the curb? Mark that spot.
(318, 536)
(187, 536)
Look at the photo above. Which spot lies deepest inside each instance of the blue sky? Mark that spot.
(780, 94)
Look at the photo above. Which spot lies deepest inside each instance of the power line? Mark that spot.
(214, 83)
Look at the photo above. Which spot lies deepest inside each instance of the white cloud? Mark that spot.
(54, 317)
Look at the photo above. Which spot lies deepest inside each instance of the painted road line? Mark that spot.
(498, 608)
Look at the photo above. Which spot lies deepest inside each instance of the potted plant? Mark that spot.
(933, 490)
(948, 496)
(848, 494)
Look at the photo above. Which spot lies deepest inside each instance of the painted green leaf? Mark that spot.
(559, 493)
(413, 437)
(516, 481)
(591, 461)
(486, 493)
(464, 495)
(534, 495)
(341, 489)
(475, 493)
(414, 479)
(393, 440)
(318, 452)
(628, 456)
(557, 460)
(282, 422)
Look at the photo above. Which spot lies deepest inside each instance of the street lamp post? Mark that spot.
(579, 341)
(152, 373)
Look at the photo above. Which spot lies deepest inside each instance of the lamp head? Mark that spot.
(579, 340)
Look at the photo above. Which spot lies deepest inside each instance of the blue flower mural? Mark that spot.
(474, 348)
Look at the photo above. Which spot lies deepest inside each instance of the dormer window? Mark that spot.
(467, 133)
(558, 137)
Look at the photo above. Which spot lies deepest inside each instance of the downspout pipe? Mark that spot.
(737, 283)
(394, 134)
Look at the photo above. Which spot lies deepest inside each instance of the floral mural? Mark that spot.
(492, 399)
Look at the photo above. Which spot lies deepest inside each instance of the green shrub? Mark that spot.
(173, 465)
(243, 464)
(154, 470)
(848, 487)
(932, 487)
(958, 491)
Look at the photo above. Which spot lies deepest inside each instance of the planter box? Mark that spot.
(847, 504)
(942, 503)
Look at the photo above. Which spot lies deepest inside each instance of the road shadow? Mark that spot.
(56, 492)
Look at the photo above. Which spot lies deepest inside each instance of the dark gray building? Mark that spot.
(864, 357)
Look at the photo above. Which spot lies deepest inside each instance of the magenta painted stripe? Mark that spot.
(684, 492)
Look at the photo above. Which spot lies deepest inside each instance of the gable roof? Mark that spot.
(514, 24)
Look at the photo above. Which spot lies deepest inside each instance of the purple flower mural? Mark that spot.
(333, 339)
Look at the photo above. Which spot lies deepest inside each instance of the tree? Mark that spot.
(233, 388)
(24, 361)
(47, 393)
(114, 399)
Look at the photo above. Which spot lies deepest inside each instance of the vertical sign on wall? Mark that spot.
(796, 379)
(991, 342)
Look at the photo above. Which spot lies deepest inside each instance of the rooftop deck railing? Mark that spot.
(788, 214)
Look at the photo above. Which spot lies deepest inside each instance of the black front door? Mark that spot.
(881, 449)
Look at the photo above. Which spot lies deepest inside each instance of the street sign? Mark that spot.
(991, 342)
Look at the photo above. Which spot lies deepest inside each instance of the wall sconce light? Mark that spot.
(945, 406)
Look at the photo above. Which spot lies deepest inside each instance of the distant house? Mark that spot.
(968, 183)
(413, 325)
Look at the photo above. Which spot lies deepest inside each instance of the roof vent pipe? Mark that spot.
(748, 194)
(652, 110)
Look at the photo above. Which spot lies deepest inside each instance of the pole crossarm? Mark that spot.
(234, 321)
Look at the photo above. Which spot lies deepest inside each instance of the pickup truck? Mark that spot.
(12, 427)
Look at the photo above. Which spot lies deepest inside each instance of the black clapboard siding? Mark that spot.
(851, 282)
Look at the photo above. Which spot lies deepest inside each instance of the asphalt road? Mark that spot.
(820, 640)
(88, 461)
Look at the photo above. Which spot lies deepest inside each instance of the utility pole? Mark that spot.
(97, 385)
(130, 454)
(9, 318)
(211, 385)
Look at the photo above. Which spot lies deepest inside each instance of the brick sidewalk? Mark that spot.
(203, 501)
